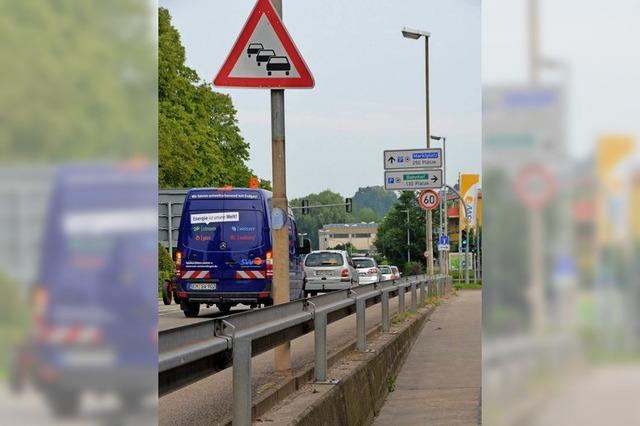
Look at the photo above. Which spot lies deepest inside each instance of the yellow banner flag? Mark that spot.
(469, 187)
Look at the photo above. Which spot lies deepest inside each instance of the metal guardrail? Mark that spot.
(194, 351)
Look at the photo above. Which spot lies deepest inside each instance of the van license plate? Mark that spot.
(324, 273)
(203, 286)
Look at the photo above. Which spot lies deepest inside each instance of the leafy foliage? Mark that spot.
(391, 240)
(373, 199)
(199, 142)
(318, 217)
(78, 81)
(165, 266)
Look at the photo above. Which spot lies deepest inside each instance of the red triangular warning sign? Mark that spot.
(264, 55)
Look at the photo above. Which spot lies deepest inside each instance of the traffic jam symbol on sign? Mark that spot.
(264, 56)
(413, 179)
(428, 199)
(412, 159)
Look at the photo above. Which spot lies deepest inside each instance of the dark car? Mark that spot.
(254, 48)
(278, 63)
(264, 55)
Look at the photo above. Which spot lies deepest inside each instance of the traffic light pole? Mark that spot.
(280, 288)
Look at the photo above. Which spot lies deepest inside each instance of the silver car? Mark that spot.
(386, 273)
(326, 270)
(368, 271)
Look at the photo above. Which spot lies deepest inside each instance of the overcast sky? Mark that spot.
(369, 93)
(597, 41)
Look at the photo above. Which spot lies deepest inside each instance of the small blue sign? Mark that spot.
(443, 240)
(390, 180)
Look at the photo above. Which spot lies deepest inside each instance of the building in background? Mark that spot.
(453, 216)
(361, 236)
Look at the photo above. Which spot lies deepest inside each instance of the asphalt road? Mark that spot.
(170, 316)
(209, 401)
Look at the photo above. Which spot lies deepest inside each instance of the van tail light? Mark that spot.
(41, 299)
(373, 271)
(344, 273)
(269, 264)
(178, 263)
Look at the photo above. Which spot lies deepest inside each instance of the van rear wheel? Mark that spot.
(225, 308)
(190, 309)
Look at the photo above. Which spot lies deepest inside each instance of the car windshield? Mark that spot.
(266, 53)
(278, 60)
(323, 259)
(363, 263)
(394, 269)
(385, 270)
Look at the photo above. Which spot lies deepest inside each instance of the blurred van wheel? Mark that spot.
(63, 403)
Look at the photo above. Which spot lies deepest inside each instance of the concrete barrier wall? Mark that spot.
(359, 396)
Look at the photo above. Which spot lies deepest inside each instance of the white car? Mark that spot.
(326, 270)
(386, 273)
(396, 272)
(368, 270)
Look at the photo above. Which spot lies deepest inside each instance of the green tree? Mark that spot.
(367, 214)
(318, 217)
(375, 198)
(199, 142)
(78, 81)
(391, 240)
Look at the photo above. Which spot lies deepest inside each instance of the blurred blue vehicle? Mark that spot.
(224, 254)
(96, 298)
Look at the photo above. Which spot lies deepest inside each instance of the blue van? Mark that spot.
(95, 302)
(224, 254)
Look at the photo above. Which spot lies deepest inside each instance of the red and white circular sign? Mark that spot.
(428, 199)
(535, 186)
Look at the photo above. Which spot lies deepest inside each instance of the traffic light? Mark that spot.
(305, 206)
(464, 240)
(349, 204)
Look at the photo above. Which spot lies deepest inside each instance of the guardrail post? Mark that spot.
(320, 334)
(400, 299)
(241, 382)
(414, 298)
(386, 324)
(422, 292)
(361, 324)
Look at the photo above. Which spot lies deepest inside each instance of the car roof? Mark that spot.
(363, 257)
(327, 251)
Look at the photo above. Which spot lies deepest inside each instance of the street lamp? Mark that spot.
(408, 236)
(415, 35)
(444, 214)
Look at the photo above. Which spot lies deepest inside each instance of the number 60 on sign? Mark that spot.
(428, 199)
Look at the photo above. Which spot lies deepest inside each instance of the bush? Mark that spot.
(413, 268)
(165, 267)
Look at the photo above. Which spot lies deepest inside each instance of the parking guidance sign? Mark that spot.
(412, 179)
(413, 159)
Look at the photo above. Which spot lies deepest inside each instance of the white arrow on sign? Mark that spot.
(413, 179)
(413, 159)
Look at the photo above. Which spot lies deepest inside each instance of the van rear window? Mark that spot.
(323, 259)
(225, 231)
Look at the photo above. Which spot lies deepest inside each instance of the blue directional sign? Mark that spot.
(444, 239)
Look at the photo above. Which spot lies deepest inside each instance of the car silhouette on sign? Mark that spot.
(278, 63)
(264, 55)
(254, 48)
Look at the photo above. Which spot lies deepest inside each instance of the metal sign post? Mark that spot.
(280, 236)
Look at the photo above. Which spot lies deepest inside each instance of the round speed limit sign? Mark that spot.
(428, 199)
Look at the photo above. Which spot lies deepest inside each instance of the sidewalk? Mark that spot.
(440, 382)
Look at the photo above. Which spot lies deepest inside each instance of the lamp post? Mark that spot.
(415, 35)
(408, 237)
(444, 215)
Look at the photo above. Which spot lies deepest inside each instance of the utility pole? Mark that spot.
(280, 287)
(428, 128)
(534, 45)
